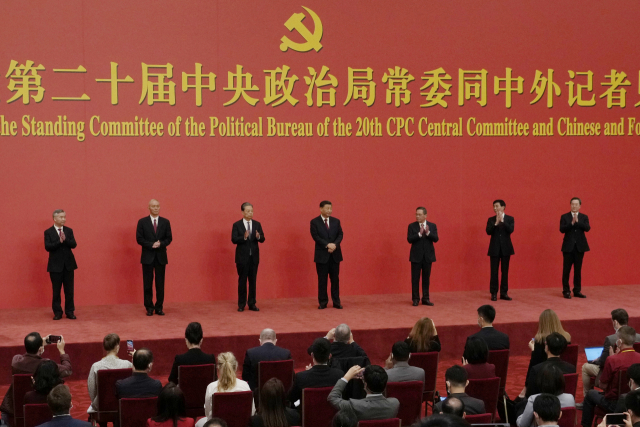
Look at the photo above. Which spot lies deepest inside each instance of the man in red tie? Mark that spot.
(59, 241)
(422, 235)
(327, 233)
(154, 235)
(573, 224)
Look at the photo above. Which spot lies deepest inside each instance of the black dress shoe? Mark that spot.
(253, 308)
(149, 312)
(57, 317)
(494, 297)
(505, 297)
(427, 302)
(71, 316)
(160, 312)
(579, 295)
(240, 309)
(416, 303)
(338, 306)
(322, 307)
(567, 296)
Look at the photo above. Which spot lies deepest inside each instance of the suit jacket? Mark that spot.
(243, 247)
(193, 356)
(402, 371)
(146, 237)
(610, 341)
(138, 385)
(265, 353)
(422, 247)
(495, 339)
(340, 350)
(532, 382)
(323, 237)
(500, 243)
(65, 421)
(316, 377)
(370, 408)
(60, 254)
(574, 234)
(472, 406)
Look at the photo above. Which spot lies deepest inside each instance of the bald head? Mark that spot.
(154, 207)
(267, 335)
(343, 333)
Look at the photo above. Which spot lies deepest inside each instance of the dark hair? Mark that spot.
(59, 400)
(487, 312)
(244, 205)
(401, 351)
(193, 333)
(272, 404)
(551, 380)
(33, 342)
(345, 418)
(634, 373)
(325, 202)
(321, 349)
(457, 376)
(215, 421)
(46, 377)
(453, 406)
(375, 378)
(443, 420)
(142, 358)
(620, 315)
(547, 406)
(423, 209)
(632, 402)
(501, 202)
(576, 198)
(627, 335)
(476, 351)
(110, 342)
(171, 405)
(556, 342)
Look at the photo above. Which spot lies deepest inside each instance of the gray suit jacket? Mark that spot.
(403, 372)
(610, 341)
(375, 407)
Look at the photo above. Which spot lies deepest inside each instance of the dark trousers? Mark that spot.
(147, 281)
(572, 258)
(58, 280)
(248, 270)
(423, 267)
(593, 399)
(329, 270)
(501, 262)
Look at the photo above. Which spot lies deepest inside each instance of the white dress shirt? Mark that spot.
(423, 224)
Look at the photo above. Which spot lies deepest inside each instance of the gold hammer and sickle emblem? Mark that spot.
(312, 40)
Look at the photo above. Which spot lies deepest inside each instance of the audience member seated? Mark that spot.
(555, 345)
(475, 358)
(111, 344)
(374, 406)
(267, 351)
(194, 355)
(423, 338)
(548, 323)
(344, 418)
(46, 377)
(343, 344)
(318, 374)
(632, 403)
(549, 381)
(456, 381)
(453, 406)
(28, 363)
(215, 422)
(59, 401)
(139, 384)
(624, 357)
(634, 384)
(273, 411)
(227, 383)
(442, 420)
(495, 339)
(172, 410)
(547, 410)
(397, 365)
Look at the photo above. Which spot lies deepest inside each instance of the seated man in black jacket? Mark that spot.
(139, 384)
(456, 381)
(343, 345)
(194, 356)
(267, 351)
(555, 345)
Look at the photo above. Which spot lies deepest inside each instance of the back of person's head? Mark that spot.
(549, 322)
(33, 342)
(401, 351)
(627, 335)
(551, 380)
(632, 402)
(59, 400)
(215, 422)
(267, 335)
(321, 349)
(634, 374)
(46, 377)
(487, 312)
(345, 418)
(621, 316)
(342, 333)
(110, 342)
(476, 351)
(547, 406)
(453, 406)
(375, 378)
(443, 420)
(422, 333)
(171, 404)
(142, 359)
(456, 376)
(193, 333)
(556, 343)
(272, 404)
(227, 367)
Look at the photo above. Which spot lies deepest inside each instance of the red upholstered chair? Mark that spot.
(428, 362)
(390, 422)
(478, 419)
(134, 412)
(280, 369)
(570, 354)
(500, 358)
(486, 390)
(316, 410)
(409, 393)
(22, 384)
(193, 381)
(623, 387)
(234, 407)
(636, 347)
(571, 383)
(107, 400)
(568, 418)
(36, 414)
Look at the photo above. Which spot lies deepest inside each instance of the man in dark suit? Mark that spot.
(59, 401)
(139, 384)
(343, 345)
(573, 224)
(495, 339)
(456, 380)
(422, 235)
(555, 345)
(194, 356)
(267, 351)
(500, 227)
(59, 242)
(246, 234)
(327, 233)
(154, 235)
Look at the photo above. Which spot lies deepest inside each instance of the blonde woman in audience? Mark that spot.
(423, 337)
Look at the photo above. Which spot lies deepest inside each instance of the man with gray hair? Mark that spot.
(266, 352)
(343, 344)
(59, 242)
(246, 234)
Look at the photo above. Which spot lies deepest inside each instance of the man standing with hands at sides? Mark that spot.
(422, 235)
(154, 235)
(59, 242)
(246, 234)
(573, 224)
(500, 227)
(327, 233)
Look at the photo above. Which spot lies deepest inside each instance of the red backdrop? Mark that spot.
(375, 183)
